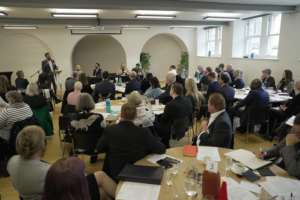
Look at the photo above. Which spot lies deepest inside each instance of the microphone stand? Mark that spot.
(36, 73)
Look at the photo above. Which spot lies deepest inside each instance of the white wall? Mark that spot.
(102, 49)
(288, 54)
(164, 51)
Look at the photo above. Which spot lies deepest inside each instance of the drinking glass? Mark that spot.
(156, 102)
(169, 173)
(175, 167)
(176, 191)
(228, 163)
(208, 197)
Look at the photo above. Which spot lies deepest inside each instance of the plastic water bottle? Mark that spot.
(198, 74)
(108, 106)
(117, 82)
(120, 81)
(209, 54)
(252, 55)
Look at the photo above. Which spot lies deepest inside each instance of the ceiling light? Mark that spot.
(222, 14)
(183, 27)
(19, 27)
(221, 18)
(73, 15)
(78, 27)
(3, 14)
(155, 12)
(156, 16)
(135, 27)
(75, 11)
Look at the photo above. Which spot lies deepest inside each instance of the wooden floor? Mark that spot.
(55, 152)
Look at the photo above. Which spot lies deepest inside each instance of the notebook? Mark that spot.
(247, 158)
(189, 150)
(141, 174)
(290, 121)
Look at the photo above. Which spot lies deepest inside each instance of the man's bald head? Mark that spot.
(78, 86)
(256, 83)
(132, 74)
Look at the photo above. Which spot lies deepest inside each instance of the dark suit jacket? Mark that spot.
(180, 108)
(165, 97)
(295, 102)
(46, 67)
(129, 142)
(21, 83)
(228, 93)
(226, 73)
(269, 83)
(133, 85)
(204, 80)
(220, 132)
(231, 75)
(104, 87)
(98, 73)
(212, 89)
(238, 84)
(180, 80)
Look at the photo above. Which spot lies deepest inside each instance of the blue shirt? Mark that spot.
(152, 93)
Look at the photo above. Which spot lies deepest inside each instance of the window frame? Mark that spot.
(217, 40)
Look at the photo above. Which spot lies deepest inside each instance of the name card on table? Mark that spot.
(212, 166)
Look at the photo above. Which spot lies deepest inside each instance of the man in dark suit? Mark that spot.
(48, 65)
(21, 82)
(179, 108)
(133, 85)
(214, 85)
(219, 71)
(105, 87)
(257, 97)
(226, 91)
(229, 69)
(165, 97)
(217, 131)
(204, 81)
(97, 70)
(127, 141)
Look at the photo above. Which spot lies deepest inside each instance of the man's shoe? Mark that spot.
(58, 101)
(241, 129)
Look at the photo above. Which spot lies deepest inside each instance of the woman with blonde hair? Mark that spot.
(33, 98)
(27, 170)
(123, 70)
(192, 93)
(5, 87)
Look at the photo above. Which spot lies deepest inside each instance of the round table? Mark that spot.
(240, 95)
(177, 152)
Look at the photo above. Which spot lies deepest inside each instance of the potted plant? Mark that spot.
(184, 60)
(145, 61)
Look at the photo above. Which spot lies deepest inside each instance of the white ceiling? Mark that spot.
(264, 2)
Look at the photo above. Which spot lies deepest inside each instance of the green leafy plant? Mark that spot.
(145, 61)
(184, 60)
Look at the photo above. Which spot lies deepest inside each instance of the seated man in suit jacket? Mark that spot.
(204, 81)
(226, 91)
(21, 82)
(127, 141)
(105, 87)
(218, 131)
(71, 81)
(214, 85)
(133, 85)
(287, 150)
(97, 70)
(229, 69)
(257, 97)
(180, 108)
(165, 97)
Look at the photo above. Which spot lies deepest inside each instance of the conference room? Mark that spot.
(169, 99)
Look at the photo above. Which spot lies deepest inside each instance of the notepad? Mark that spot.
(290, 122)
(189, 150)
(247, 158)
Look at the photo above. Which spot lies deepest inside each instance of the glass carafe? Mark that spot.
(191, 179)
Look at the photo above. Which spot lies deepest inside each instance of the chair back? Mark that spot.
(152, 130)
(232, 141)
(113, 166)
(63, 122)
(85, 141)
(259, 113)
(297, 110)
(179, 127)
(104, 97)
(45, 120)
(69, 109)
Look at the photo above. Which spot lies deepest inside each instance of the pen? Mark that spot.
(262, 152)
(272, 197)
(198, 190)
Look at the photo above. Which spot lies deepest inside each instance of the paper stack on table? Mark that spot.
(105, 115)
(116, 108)
(158, 112)
(213, 152)
(120, 89)
(158, 157)
(159, 106)
(138, 191)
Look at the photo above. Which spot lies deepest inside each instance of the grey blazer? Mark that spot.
(290, 87)
(290, 157)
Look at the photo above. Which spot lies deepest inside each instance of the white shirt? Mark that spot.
(50, 64)
(211, 120)
(173, 71)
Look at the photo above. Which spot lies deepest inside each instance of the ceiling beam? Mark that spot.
(109, 22)
(149, 5)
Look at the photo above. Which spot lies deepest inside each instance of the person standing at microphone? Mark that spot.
(48, 65)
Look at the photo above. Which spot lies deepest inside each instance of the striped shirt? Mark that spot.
(13, 113)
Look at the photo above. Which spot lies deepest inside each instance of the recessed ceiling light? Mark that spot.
(221, 18)
(74, 15)
(156, 16)
(155, 12)
(19, 27)
(3, 14)
(75, 11)
(78, 27)
(222, 14)
(135, 27)
(183, 27)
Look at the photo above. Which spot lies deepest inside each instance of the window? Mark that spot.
(214, 41)
(262, 36)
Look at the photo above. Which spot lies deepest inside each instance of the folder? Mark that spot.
(141, 174)
(189, 150)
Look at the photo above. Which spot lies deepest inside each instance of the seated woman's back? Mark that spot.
(33, 98)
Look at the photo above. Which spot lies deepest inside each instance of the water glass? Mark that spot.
(169, 173)
(285, 89)
(208, 197)
(228, 163)
(175, 167)
(176, 191)
(156, 102)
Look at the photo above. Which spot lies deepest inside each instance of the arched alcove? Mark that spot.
(20, 51)
(165, 50)
(102, 49)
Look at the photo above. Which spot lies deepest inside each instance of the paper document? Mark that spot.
(213, 152)
(120, 89)
(138, 191)
(234, 190)
(99, 107)
(159, 106)
(101, 104)
(158, 157)
(237, 96)
(93, 85)
(290, 122)
(158, 112)
(251, 187)
(105, 115)
(280, 187)
(116, 108)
